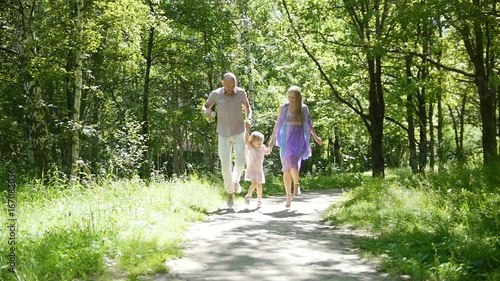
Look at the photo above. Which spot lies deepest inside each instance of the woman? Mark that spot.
(291, 134)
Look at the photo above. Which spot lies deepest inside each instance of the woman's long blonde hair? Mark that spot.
(295, 107)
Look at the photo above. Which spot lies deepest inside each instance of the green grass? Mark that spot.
(69, 233)
(274, 184)
(437, 227)
(443, 226)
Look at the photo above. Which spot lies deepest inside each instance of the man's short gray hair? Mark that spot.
(229, 75)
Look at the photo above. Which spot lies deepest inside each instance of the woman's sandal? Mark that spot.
(296, 190)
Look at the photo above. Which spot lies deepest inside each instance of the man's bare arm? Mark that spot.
(207, 109)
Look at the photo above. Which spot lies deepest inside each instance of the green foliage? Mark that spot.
(60, 254)
(81, 233)
(139, 257)
(333, 180)
(441, 227)
(192, 45)
(274, 184)
(125, 149)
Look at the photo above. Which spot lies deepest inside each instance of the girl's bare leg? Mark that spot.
(251, 189)
(249, 193)
(259, 191)
(259, 194)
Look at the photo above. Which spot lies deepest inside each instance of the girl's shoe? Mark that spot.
(259, 204)
(247, 199)
(288, 200)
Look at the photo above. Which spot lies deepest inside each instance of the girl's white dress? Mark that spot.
(255, 161)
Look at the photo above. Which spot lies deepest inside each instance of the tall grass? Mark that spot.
(442, 226)
(68, 233)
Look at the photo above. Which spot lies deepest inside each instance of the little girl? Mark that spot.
(255, 151)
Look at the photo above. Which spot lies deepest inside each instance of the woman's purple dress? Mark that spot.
(293, 138)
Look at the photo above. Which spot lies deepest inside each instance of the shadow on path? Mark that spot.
(270, 243)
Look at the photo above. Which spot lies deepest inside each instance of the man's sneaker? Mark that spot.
(259, 204)
(230, 200)
(247, 199)
(237, 188)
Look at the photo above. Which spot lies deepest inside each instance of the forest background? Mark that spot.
(115, 87)
(99, 90)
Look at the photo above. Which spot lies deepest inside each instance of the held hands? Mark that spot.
(271, 143)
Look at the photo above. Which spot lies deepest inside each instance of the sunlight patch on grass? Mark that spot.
(68, 233)
(439, 227)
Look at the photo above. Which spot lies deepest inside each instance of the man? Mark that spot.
(231, 130)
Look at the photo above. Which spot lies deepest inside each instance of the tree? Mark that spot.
(367, 19)
(476, 24)
(75, 150)
(145, 98)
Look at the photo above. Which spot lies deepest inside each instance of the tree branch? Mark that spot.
(8, 50)
(435, 63)
(396, 122)
(335, 92)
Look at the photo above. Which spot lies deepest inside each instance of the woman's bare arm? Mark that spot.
(273, 134)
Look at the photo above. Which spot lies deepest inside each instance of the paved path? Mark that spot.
(271, 244)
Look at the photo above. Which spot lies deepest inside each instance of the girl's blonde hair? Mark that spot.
(256, 136)
(296, 107)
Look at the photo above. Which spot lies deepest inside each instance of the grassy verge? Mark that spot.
(443, 226)
(274, 184)
(76, 233)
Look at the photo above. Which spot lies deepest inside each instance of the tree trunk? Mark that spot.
(210, 153)
(179, 167)
(409, 119)
(461, 116)
(70, 102)
(482, 58)
(377, 111)
(440, 149)
(455, 132)
(145, 104)
(422, 110)
(336, 147)
(35, 110)
(177, 142)
(376, 98)
(440, 125)
(422, 122)
(458, 128)
(432, 155)
(38, 134)
(75, 150)
(488, 126)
